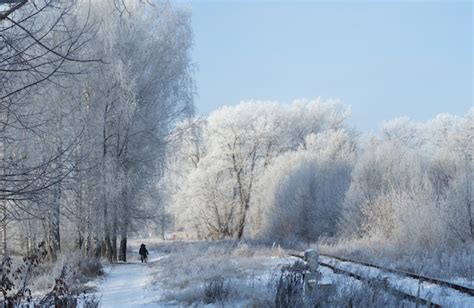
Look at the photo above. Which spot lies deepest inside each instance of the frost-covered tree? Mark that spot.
(144, 89)
(41, 45)
(88, 137)
(241, 142)
(185, 150)
(413, 187)
(302, 192)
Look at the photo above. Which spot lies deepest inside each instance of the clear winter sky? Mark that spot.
(384, 59)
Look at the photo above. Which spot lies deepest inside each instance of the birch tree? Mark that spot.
(91, 92)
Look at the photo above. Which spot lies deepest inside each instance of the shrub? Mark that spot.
(90, 267)
(290, 286)
(215, 290)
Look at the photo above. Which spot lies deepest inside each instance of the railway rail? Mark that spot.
(389, 288)
(421, 278)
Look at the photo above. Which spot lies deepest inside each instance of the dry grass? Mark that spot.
(229, 271)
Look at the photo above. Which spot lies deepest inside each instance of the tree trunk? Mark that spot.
(87, 246)
(79, 208)
(114, 238)
(163, 229)
(241, 224)
(79, 240)
(468, 160)
(4, 231)
(28, 238)
(55, 236)
(124, 219)
(123, 245)
(124, 227)
(244, 196)
(97, 247)
(107, 249)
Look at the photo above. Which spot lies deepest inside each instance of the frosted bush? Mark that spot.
(303, 195)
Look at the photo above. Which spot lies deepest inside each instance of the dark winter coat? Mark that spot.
(143, 251)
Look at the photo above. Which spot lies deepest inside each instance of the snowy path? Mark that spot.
(128, 285)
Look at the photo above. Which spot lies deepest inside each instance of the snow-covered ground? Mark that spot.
(179, 274)
(178, 277)
(129, 285)
(248, 274)
(440, 295)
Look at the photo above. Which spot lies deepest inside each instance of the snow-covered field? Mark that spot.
(203, 273)
(215, 274)
(182, 274)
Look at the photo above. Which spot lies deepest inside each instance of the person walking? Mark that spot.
(143, 253)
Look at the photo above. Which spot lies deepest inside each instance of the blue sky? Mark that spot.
(385, 59)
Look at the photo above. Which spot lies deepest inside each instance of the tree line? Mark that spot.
(89, 93)
(299, 172)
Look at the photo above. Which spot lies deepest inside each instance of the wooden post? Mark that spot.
(311, 257)
(316, 289)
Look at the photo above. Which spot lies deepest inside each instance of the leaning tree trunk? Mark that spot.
(244, 196)
(244, 207)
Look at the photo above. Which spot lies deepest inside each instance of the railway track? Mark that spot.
(421, 278)
(333, 266)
